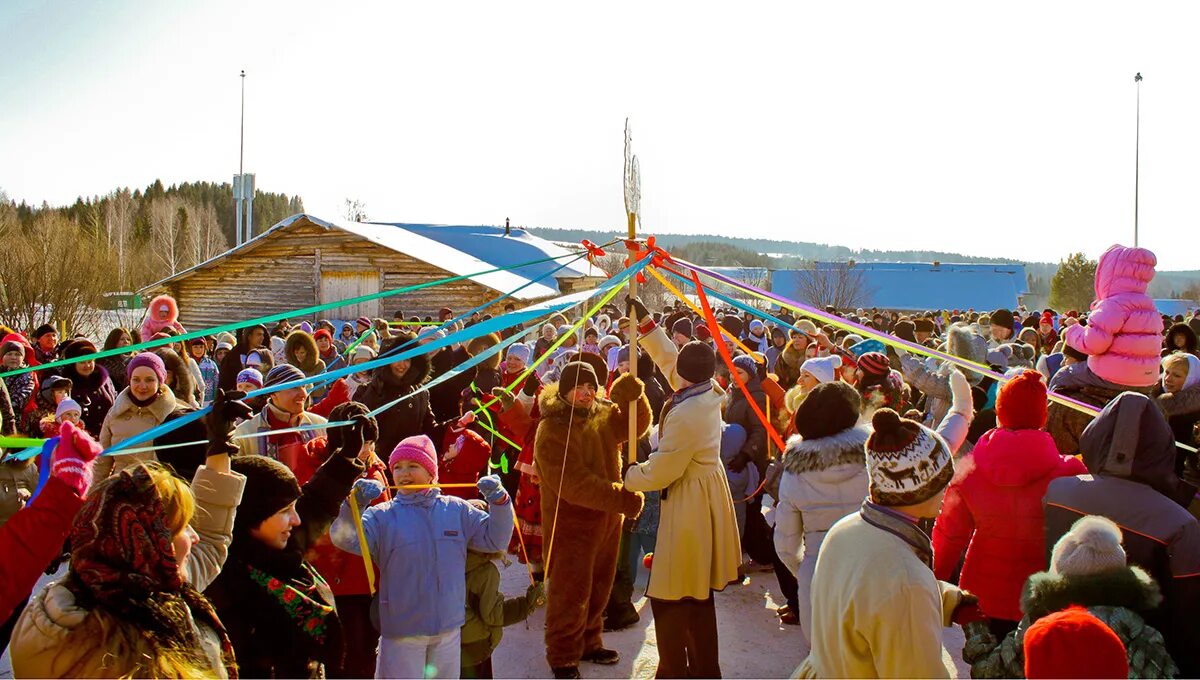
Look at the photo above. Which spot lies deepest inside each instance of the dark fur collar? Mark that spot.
(1132, 588)
(843, 448)
(550, 405)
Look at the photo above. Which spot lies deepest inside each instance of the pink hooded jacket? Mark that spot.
(1123, 338)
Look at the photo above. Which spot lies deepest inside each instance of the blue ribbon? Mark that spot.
(499, 323)
(44, 465)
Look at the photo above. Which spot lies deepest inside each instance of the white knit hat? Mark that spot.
(1093, 545)
(824, 369)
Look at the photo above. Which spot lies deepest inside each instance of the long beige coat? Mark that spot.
(56, 637)
(698, 547)
(126, 419)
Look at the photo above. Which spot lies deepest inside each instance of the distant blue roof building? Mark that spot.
(918, 286)
(1174, 307)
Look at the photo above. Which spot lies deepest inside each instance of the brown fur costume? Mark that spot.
(583, 531)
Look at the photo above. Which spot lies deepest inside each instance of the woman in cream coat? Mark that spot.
(698, 549)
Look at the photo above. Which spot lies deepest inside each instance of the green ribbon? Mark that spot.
(305, 311)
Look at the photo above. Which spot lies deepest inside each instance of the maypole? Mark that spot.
(633, 197)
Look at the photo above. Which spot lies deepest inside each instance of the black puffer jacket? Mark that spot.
(265, 638)
(1129, 451)
(410, 417)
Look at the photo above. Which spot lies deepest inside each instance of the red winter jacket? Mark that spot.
(468, 466)
(32, 538)
(993, 511)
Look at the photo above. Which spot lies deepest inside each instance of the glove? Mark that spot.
(352, 437)
(72, 458)
(535, 596)
(967, 610)
(530, 387)
(365, 491)
(493, 492)
(227, 408)
(506, 398)
(738, 463)
(466, 419)
(638, 307)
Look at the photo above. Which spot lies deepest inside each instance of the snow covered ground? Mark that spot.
(753, 643)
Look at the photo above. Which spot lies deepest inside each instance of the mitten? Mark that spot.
(353, 436)
(626, 389)
(492, 490)
(72, 458)
(365, 491)
(638, 307)
(632, 504)
(530, 387)
(466, 419)
(535, 596)
(960, 391)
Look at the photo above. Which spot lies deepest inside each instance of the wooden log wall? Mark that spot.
(282, 273)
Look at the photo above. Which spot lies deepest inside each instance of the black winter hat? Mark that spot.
(270, 487)
(682, 327)
(42, 330)
(1002, 318)
(697, 362)
(829, 409)
(574, 374)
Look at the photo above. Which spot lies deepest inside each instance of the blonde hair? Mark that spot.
(1174, 359)
(125, 649)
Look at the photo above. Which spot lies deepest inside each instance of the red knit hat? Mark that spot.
(1047, 317)
(874, 363)
(1021, 402)
(323, 333)
(1073, 644)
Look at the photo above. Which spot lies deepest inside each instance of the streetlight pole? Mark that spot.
(1137, 139)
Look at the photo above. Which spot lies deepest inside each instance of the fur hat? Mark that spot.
(270, 487)
(1073, 643)
(830, 408)
(966, 342)
(418, 449)
(576, 373)
(42, 330)
(702, 333)
(1093, 545)
(609, 341)
(697, 362)
(1021, 402)
(78, 348)
(824, 369)
(907, 462)
(923, 325)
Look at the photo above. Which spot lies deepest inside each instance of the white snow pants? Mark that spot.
(420, 656)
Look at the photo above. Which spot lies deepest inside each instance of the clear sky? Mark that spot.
(1000, 129)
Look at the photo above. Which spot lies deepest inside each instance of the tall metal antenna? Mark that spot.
(1137, 139)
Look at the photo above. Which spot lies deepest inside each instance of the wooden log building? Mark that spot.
(305, 261)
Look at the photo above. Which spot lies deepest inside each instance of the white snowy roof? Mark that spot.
(460, 250)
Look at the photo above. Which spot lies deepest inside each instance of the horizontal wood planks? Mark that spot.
(281, 273)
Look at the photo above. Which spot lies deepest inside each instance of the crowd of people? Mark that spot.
(353, 527)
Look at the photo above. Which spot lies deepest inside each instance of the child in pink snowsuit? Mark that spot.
(1123, 336)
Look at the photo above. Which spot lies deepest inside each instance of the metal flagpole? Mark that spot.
(1137, 139)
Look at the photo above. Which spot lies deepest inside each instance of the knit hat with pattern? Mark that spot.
(907, 462)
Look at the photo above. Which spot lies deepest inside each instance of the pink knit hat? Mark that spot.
(418, 449)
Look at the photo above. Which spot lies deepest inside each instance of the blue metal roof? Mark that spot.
(922, 286)
(1173, 307)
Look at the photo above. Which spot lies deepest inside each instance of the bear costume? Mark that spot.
(582, 509)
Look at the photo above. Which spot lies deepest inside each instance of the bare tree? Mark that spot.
(165, 230)
(356, 210)
(203, 234)
(52, 272)
(839, 284)
(118, 230)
